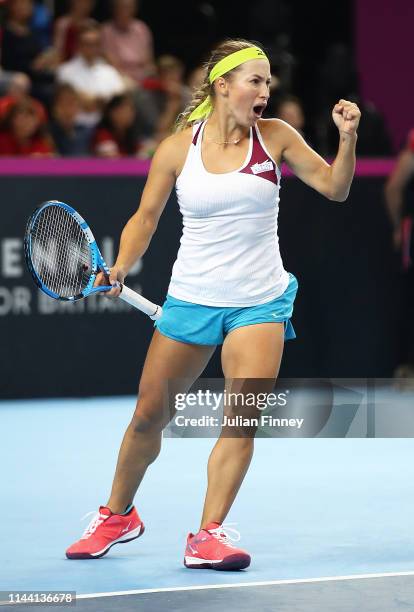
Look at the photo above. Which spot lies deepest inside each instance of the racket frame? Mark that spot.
(98, 262)
(154, 311)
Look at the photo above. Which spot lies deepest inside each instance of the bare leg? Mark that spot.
(227, 467)
(249, 353)
(166, 359)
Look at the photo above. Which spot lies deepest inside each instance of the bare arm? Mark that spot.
(137, 233)
(332, 181)
(342, 169)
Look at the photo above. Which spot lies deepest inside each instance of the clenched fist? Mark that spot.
(346, 116)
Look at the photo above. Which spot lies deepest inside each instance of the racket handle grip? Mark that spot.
(135, 299)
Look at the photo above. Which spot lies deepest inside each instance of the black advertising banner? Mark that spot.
(345, 314)
(96, 345)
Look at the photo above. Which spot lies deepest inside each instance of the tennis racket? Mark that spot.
(64, 259)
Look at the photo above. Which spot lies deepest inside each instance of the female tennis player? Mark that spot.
(228, 283)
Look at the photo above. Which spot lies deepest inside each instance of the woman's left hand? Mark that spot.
(346, 116)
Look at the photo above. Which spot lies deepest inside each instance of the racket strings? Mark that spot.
(61, 254)
(44, 251)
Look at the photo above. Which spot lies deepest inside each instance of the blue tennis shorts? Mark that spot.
(200, 324)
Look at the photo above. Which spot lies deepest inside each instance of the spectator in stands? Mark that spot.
(41, 24)
(67, 28)
(71, 138)
(5, 77)
(115, 134)
(175, 94)
(19, 46)
(21, 49)
(23, 133)
(92, 77)
(18, 89)
(399, 198)
(128, 43)
(289, 108)
(162, 97)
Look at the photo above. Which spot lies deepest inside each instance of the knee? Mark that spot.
(150, 442)
(145, 422)
(149, 415)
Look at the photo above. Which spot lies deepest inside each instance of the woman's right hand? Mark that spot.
(116, 278)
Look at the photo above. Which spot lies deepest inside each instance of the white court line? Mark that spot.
(245, 584)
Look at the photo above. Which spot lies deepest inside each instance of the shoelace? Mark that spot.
(222, 534)
(97, 520)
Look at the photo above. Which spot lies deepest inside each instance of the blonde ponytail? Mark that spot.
(199, 95)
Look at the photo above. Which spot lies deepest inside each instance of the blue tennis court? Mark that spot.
(326, 520)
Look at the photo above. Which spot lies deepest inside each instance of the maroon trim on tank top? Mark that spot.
(257, 158)
(197, 133)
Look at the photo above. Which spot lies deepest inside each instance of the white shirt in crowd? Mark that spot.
(99, 79)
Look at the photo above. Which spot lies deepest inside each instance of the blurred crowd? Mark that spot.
(73, 86)
(76, 87)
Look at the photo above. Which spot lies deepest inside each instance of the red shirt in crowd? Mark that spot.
(38, 145)
(105, 142)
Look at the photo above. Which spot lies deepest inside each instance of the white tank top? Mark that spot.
(229, 249)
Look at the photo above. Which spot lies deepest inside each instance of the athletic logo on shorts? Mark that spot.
(263, 167)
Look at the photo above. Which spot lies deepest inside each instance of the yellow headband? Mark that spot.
(225, 65)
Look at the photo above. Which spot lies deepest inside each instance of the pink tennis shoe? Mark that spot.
(105, 530)
(210, 548)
